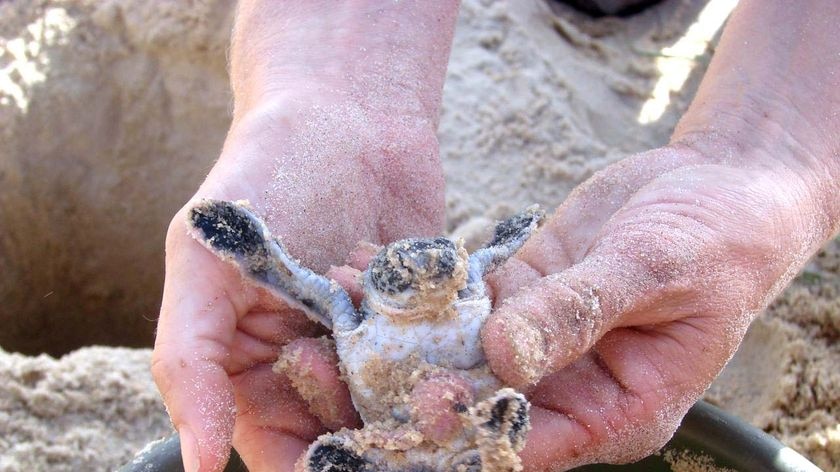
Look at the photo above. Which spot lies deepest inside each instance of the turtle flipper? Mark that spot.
(508, 237)
(234, 233)
(504, 419)
(501, 424)
(333, 453)
(339, 452)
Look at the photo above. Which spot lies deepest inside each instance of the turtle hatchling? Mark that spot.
(424, 305)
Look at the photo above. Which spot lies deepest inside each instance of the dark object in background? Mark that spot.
(706, 431)
(599, 8)
(165, 456)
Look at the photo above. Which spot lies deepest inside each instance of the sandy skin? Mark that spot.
(274, 156)
(413, 341)
(548, 142)
(633, 309)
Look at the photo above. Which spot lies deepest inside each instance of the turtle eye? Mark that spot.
(408, 262)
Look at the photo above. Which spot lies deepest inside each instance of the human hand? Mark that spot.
(621, 311)
(332, 142)
(218, 335)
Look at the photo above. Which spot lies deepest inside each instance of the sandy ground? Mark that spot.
(112, 110)
(111, 113)
(785, 378)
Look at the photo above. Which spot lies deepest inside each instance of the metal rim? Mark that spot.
(706, 429)
(733, 442)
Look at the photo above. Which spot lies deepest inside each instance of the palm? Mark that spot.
(639, 288)
(238, 332)
(218, 336)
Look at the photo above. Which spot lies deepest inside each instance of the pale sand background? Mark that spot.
(112, 110)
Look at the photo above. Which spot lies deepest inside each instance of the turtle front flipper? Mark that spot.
(234, 233)
(508, 237)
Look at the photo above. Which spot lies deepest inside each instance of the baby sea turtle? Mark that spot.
(424, 304)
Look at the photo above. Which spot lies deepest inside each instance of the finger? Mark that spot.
(664, 256)
(278, 325)
(505, 281)
(648, 269)
(312, 367)
(260, 335)
(274, 425)
(437, 403)
(571, 231)
(624, 399)
(542, 451)
(350, 279)
(601, 413)
(268, 449)
(191, 345)
(549, 323)
(361, 255)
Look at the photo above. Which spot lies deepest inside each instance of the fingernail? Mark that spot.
(189, 450)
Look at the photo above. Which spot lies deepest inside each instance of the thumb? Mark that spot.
(194, 331)
(200, 402)
(632, 276)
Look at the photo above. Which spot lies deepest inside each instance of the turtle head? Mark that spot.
(416, 278)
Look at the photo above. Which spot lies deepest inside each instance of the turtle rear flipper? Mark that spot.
(235, 233)
(333, 453)
(339, 452)
(508, 237)
(504, 419)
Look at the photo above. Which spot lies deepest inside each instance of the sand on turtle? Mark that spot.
(535, 101)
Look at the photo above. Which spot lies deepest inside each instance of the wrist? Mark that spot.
(326, 175)
(769, 98)
(749, 138)
(302, 129)
(383, 55)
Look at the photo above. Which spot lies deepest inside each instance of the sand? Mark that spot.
(111, 111)
(687, 462)
(90, 410)
(785, 378)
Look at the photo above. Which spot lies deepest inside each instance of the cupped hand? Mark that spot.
(333, 142)
(315, 172)
(622, 310)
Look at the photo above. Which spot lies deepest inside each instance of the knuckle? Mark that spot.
(663, 245)
(572, 313)
(176, 232)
